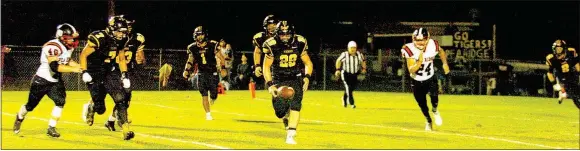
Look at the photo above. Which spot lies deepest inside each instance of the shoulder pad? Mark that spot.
(549, 56)
(270, 41)
(258, 35)
(301, 38)
(189, 46)
(96, 37)
(140, 38)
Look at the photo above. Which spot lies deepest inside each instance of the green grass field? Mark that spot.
(382, 120)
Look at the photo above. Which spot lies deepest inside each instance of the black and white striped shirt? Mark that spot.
(351, 63)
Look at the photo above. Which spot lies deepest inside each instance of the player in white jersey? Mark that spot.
(55, 59)
(420, 55)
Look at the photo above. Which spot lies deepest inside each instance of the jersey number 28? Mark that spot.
(288, 60)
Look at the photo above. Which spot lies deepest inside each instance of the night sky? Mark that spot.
(526, 30)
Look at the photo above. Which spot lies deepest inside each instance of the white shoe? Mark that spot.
(428, 127)
(353, 106)
(438, 119)
(208, 117)
(85, 111)
(290, 137)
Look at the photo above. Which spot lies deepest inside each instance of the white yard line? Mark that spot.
(139, 134)
(412, 130)
(462, 114)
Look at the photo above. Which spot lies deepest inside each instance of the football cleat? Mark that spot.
(17, 124)
(290, 137)
(88, 113)
(428, 127)
(438, 119)
(52, 132)
(110, 125)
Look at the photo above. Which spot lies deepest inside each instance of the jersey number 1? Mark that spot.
(203, 58)
(288, 60)
(565, 68)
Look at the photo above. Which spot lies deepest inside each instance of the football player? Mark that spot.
(55, 59)
(104, 67)
(134, 58)
(203, 53)
(563, 71)
(285, 53)
(269, 25)
(420, 55)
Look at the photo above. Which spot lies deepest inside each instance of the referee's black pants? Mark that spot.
(350, 84)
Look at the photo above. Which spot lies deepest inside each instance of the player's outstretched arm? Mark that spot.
(140, 56)
(188, 64)
(444, 60)
(257, 58)
(413, 65)
(268, 60)
(364, 63)
(88, 50)
(308, 69)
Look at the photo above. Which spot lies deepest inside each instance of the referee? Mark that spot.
(348, 65)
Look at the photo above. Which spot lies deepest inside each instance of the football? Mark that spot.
(286, 92)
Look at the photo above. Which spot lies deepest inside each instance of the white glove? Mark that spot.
(258, 71)
(562, 96)
(87, 77)
(273, 90)
(126, 82)
(557, 87)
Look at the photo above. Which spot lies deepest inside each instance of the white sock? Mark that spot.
(112, 118)
(56, 113)
(22, 112)
(208, 114)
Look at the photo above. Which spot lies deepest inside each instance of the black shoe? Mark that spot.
(110, 125)
(353, 106)
(129, 135)
(17, 124)
(560, 101)
(52, 132)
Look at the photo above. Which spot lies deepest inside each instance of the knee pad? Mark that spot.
(296, 106)
(59, 102)
(100, 107)
(280, 107)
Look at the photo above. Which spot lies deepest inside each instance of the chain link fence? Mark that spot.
(386, 72)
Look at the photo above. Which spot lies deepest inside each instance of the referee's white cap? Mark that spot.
(351, 44)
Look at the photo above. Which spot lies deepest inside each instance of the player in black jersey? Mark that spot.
(203, 53)
(134, 58)
(564, 67)
(269, 25)
(285, 54)
(105, 71)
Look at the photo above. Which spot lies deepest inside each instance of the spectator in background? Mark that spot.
(164, 74)
(5, 76)
(503, 72)
(244, 73)
(227, 52)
